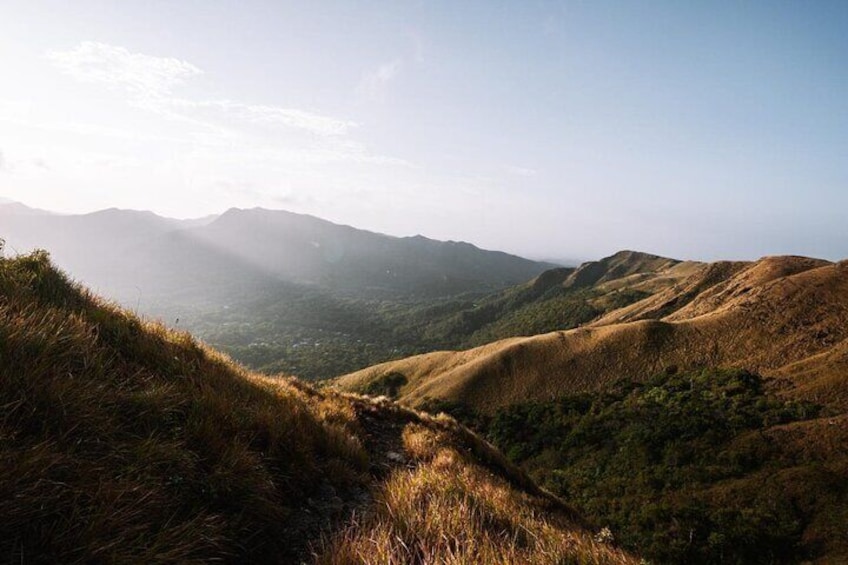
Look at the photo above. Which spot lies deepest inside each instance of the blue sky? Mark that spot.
(551, 129)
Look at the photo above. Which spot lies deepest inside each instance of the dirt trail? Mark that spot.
(382, 437)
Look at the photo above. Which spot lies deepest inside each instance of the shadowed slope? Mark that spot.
(619, 266)
(126, 442)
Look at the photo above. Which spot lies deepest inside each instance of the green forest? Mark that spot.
(657, 461)
(316, 334)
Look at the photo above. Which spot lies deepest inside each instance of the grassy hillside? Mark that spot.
(778, 316)
(284, 292)
(558, 299)
(126, 442)
(315, 334)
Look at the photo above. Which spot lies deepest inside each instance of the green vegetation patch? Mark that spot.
(386, 385)
(678, 467)
(318, 334)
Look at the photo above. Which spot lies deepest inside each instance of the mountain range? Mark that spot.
(119, 252)
(278, 291)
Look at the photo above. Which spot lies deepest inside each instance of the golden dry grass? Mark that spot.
(124, 441)
(769, 316)
(821, 377)
(447, 510)
(784, 317)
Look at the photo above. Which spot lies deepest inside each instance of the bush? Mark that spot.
(386, 385)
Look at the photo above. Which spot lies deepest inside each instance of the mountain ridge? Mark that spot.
(280, 291)
(296, 247)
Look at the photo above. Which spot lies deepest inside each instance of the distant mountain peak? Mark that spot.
(235, 214)
(114, 211)
(632, 255)
(10, 207)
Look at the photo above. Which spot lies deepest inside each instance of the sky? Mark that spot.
(560, 130)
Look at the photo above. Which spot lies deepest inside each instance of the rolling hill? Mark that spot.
(123, 441)
(767, 316)
(560, 298)
(337, 334)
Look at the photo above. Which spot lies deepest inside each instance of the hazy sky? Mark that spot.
(551, 129)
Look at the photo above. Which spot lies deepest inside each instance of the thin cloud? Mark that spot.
(418, 46)
(374, 84)
(266, 135)
(150, 81)
(270, 115)
(522, 171)
(139, 74)
(3, 165)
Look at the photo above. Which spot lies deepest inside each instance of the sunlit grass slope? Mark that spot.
(122, 441)
(779, 316)
(446, 509)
